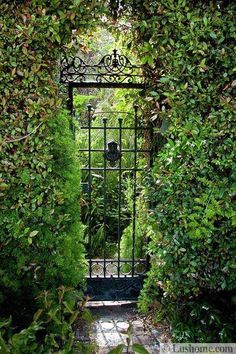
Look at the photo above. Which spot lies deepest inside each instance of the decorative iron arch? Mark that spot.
(113, 71)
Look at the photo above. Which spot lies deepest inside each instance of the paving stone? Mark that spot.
(109, 328)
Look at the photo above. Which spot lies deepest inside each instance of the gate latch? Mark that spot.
(113, 152)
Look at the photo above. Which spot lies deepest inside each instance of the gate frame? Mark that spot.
(113, 71)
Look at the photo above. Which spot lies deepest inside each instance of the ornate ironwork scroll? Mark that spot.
(73, 70)
(112, 69)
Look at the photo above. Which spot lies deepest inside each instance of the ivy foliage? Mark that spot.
(40, 231)
(189, 49)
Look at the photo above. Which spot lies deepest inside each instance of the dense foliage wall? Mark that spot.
(189, 47)
(40, 230)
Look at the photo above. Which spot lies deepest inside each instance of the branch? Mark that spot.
(22, 137)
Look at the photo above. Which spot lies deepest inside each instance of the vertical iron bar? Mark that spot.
(73, 123)
(70, 105)
(70, 99)
(119, 195)
(134, 186)
(151, 147)
(104, 196)
(89, 107)
(151, 142)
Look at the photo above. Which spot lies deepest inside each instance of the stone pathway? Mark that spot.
(109, 329)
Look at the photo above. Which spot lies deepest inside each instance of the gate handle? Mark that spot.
(113, 152)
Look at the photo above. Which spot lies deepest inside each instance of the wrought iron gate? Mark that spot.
(116, 277)
(113, 278)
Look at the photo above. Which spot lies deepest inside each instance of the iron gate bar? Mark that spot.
(110, 112)
(110, 169)
(119, 194)
(112, 260)
(104, 194)
(151, 154)
(89, 190)
(151, 132)
(116, 128)
(70, 98)
(134, 185)
(124, 150)
(109, 85)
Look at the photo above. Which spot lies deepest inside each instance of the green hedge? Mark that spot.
(189, 47)
(40, 230)
(40, 224)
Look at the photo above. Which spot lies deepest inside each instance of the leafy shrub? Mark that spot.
(40, 229)
(51, 329)
(42, 239)
(142, 229)
(189, 49)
